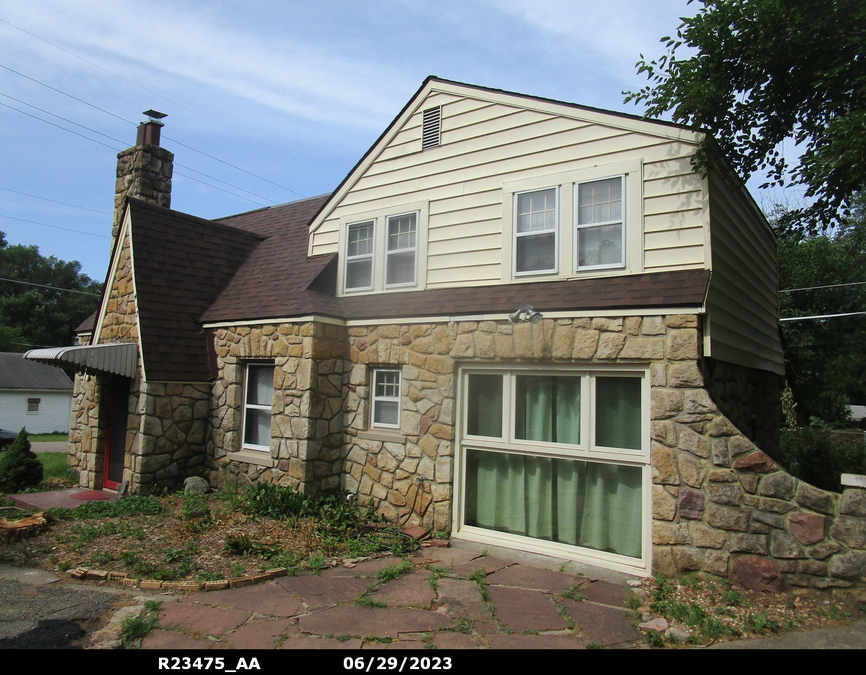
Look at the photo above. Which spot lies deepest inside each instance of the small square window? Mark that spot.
(33, 405)
(386, 399)
(257, 406)
(535, 231)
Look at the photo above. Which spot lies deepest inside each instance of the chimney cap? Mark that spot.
(154, 114)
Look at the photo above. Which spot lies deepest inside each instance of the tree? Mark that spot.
(826, 358)
(33, 315)
(769, 70)
(19, 466)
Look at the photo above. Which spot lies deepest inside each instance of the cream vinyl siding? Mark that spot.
(742, 303)
(487, 143)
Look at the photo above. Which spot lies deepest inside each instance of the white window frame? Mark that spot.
(256, 406)
(389, 252)
(585, 450)
(623, 223)
(375, 399)
(356, 258)
(520, 235)
(380, 218)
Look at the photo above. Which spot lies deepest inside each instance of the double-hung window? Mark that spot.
(558, 457)
(536, 216)
(386, 403)
(258, 395)
(600, 235)
(402, 248)
(360, 243)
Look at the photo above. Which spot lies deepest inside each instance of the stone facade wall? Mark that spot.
(143, 171)
(306, 422)
(749, 398)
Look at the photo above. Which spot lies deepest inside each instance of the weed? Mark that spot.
(366, 601)
(530, 631)
(761, 623)
(690, 580)
(478, 575)
(655, 639)
(593, 645)
(239, 569)
(316, 563)
(465, 626)
(733, 599)
(376, 638)
(241, 544)
(342, 637)
(574, 593)
(135, 628)
(209, 576)
(395, 571)
(64, 566)
(632, 601)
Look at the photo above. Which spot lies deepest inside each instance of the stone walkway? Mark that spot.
(453, 599)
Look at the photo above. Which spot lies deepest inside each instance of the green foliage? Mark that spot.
(55, 465)
(128, 506)
(20, 468)
(826, 358)
(763, 71)
(240, 544)
(820, 457)
(34, 316)
(395, 571)
(655, 639)
(135, 628)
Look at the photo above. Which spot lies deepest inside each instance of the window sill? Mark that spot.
(382, 435)
(257, 457)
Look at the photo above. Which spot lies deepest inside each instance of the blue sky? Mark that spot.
(289, 93)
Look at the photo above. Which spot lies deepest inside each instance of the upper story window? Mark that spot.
(581, 222)
(535, 231)
(33, 405)
(384, 249)
(600, 235)
(359, 255)
(401, 250)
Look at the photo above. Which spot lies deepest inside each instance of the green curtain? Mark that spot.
(589, 504)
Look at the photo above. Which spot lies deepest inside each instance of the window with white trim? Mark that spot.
(258, 397)
(386, 401)
(599, 223)
(536, 220)
(401, 250)
(559, 457)
(360, 244)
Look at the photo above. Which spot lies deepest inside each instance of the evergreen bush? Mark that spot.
(20, 468)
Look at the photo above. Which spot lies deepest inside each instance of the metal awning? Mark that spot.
(114, 359)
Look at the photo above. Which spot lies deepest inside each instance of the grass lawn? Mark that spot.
(44, 438)
(55, 466)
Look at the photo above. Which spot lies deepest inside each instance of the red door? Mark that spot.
(115, 451)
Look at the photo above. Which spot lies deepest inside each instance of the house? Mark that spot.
(33, 396)
(526, 322)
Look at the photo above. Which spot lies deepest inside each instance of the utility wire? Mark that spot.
(216, 187)
(75, 98)
(815, 288)
(75, 206)
(56, 227)
(820, 316)
(110, 147)
(195, 112)
(53, 288)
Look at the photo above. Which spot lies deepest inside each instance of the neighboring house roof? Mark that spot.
(180, 265)
(16, 373)
(88, 324)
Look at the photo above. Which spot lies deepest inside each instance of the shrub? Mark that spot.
(20, 468)
(819, 456)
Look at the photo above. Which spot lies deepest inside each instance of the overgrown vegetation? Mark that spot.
(135, 628)
(820, 456)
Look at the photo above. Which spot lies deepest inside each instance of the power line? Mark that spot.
(53, 288)
(815, 288)
(820, 316)
(75, 98)
(215, 187)
(75, 206)
(110, 147)
(180, 105)
(56, 227)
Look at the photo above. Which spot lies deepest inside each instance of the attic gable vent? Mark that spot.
(431, 128)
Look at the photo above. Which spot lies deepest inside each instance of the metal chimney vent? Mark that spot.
(431, 128)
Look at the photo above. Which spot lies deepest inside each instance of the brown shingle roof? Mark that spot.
(181, 264)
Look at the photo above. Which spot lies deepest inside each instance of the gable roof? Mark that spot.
(432, 84)
(17, 373)
(180, 264)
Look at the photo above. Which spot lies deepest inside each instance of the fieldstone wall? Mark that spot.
(143, 171)
(719, 504)
(306, 424)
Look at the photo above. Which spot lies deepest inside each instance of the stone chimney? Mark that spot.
(143, 171)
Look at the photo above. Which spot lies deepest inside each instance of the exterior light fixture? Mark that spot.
(525, 313)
